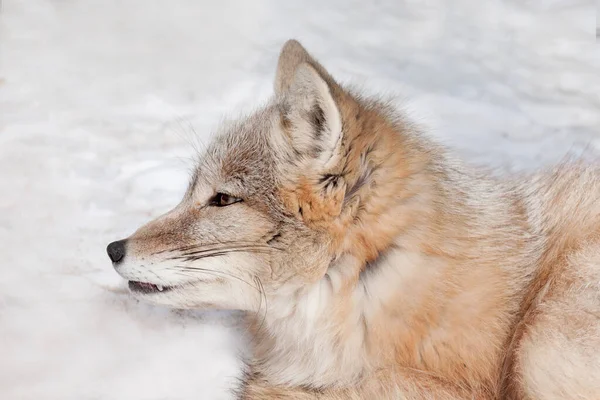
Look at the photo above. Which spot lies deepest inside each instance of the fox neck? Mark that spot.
(321, 334)
(334, 331)
(410, 286)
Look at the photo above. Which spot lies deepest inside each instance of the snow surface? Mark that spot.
(99, 102)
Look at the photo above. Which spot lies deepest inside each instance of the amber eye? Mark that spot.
(223, 199)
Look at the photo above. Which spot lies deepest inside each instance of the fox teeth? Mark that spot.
(160, 288)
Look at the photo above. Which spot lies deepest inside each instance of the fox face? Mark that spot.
(265, 208)
(316, 176)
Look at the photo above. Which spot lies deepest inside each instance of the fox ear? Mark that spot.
(292, 55)
(311, 122)
(310, 115)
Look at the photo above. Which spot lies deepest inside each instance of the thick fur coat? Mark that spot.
(374, 265)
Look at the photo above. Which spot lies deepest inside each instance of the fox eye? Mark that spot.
(223, 199)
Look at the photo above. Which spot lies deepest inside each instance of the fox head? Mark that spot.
(278, 198)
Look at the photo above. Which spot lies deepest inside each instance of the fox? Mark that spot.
(369, 262)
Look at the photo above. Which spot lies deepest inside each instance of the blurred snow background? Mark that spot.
(99, 101)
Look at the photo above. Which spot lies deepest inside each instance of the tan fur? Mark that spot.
(373, 265)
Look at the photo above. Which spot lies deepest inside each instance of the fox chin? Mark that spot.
(371, 264)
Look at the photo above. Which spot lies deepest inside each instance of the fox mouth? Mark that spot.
(147, 288)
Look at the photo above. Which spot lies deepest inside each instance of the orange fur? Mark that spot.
(375, 266)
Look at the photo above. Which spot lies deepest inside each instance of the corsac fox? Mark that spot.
(371, 263)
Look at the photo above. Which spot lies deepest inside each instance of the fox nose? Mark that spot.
(116, 250)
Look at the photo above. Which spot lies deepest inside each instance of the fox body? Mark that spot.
(374, 265)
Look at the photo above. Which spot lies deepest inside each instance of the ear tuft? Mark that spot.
(317, 120)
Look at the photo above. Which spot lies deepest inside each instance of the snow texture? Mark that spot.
(100, 100)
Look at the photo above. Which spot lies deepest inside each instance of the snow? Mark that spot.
(101, 103)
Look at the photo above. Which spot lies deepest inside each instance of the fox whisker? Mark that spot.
(198, 249)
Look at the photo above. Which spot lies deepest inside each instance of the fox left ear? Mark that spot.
(311, 122)
(311, 118)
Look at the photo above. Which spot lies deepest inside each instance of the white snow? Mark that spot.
(99, 101)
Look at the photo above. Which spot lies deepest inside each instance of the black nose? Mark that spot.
(116, 250)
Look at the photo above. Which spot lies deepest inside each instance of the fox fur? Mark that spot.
(372, 264)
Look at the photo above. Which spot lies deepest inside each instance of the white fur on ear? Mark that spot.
(315, 117)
